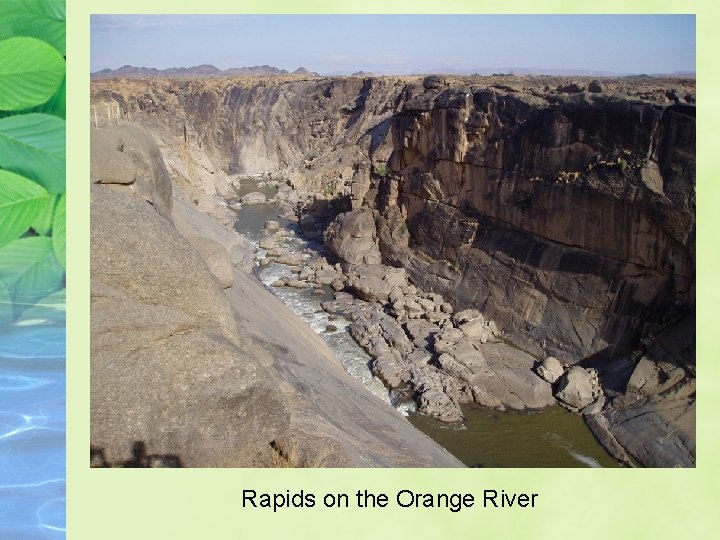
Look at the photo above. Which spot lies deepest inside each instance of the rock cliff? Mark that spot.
(569, 220)
(193, 361)
(567, 217)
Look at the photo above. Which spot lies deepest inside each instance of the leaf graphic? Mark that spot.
(56, 104)
(58, 237)
(29, 270)
(43, 223)
(33, 145)
(21, 202)
(30, 73)
(43, 20)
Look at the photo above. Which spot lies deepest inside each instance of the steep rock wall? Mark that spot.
(567, 219)
(204, 368)
(255, 126)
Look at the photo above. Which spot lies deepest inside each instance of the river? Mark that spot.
(548, 438)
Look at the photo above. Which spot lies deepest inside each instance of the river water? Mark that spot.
(32, 422)
(548, 438)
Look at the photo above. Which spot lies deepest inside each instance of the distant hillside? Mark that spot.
(304, 71)
(520, 71)
(255, 71)
(204, 70)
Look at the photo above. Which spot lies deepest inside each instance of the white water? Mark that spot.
(566, 445)
(306, 305)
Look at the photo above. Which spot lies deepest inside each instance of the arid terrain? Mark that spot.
(512, 242)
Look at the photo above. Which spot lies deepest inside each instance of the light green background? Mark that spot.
(582, 503)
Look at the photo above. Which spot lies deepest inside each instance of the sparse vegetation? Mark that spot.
(329, 188)
(310, 156)
(381, 169)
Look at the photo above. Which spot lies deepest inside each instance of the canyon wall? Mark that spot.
(568, 219)
(565, 216)
(193, 362)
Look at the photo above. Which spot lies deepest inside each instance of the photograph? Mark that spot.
(325, 241)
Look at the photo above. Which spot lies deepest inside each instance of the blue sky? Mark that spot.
(398, 43)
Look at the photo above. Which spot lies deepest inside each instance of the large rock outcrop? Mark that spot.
(328, 128)
(195, 363)
(567, 219)
(352, 237)
(653, 420)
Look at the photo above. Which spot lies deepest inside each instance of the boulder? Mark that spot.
(452, 335)
(551, 369)
(578, 387)
(337, 285)
(387, 370)
(651, 377)
(306, 273)
(267, 243)
(595, 87)
(375, 282)
(352, 237)
(325, 278)
(254, 198)
(477, 330)
(127, 154)
(291, 259)
(422, 333)
(502, 374)
(436, 403)
(466, 315)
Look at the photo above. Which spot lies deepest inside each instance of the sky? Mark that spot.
(398, 43)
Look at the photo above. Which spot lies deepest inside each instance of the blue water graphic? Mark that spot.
(32, 423)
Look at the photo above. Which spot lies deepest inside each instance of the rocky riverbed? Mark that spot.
(411, 349)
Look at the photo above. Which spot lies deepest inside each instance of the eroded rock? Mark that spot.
(578, 387)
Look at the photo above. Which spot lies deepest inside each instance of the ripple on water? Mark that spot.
(32, 424)
(551, 437)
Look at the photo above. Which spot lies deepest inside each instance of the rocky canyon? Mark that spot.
(509, 242)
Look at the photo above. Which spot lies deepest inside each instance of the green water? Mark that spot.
(251, 220)
(548, 438)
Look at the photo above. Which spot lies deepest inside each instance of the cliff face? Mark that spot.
(256, 125)
(194, 362)
(567, 219)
